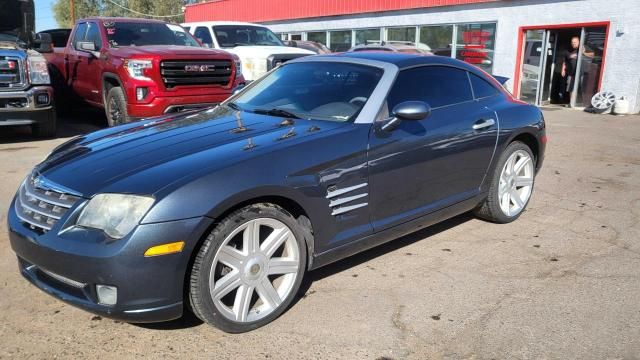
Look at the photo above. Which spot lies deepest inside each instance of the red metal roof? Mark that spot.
(273, 10)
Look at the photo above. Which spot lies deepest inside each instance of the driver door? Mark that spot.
(426, 165)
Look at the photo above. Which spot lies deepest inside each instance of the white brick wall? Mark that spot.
(622, 63)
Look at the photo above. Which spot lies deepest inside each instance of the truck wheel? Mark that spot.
(47, 128)
(116, 107)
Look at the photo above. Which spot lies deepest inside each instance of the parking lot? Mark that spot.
(561, 282)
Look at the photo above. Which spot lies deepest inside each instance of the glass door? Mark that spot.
(590, 60)
(533, 65)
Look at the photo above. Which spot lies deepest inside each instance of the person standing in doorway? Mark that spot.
(569, 65)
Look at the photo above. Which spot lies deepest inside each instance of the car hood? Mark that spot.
(164, 50)
(266, 51)
(148, 156)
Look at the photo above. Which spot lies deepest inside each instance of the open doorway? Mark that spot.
(561, 65)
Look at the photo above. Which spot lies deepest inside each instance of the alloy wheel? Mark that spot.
(254, 270)
(516, 183)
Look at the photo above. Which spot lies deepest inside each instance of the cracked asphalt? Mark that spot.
(562, 282)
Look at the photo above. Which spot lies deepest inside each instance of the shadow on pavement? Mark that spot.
(189, 320)
(80, 121)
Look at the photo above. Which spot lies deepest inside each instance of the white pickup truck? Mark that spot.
(259, 49)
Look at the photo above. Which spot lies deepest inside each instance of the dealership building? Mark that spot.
(524, 40)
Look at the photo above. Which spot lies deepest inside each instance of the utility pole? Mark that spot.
(73, 12)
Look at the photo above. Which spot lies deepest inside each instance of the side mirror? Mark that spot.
(408, 110)
(87, 46)
(43, 43)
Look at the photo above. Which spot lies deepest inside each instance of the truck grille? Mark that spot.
(41, 208)
(195, 72)
(10, 74)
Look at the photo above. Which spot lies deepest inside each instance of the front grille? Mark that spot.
(195, 72)
(279, 59)
(41, 208)
(10, 72)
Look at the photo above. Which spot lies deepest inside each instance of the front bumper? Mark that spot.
(22, 107)
(162, 105)
(69, 264)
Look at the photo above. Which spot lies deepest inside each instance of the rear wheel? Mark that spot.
(249, 268)
(511, 185)
(116, 107)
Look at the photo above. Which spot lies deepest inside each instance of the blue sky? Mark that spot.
(44, 15)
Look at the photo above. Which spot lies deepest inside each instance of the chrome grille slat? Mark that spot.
(27, 205)
(42, 195)
(41, 208)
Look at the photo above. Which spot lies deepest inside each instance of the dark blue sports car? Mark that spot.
(223, 211)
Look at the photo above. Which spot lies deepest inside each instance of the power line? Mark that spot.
(143, 14)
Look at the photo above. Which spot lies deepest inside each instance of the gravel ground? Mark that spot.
(561, 282)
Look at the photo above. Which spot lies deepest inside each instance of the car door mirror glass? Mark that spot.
(88, 46)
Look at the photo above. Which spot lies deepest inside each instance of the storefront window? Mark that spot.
(438, 38)
(340, 40)
(367, 36)
(318, 36)
(476, 43)
(407, 34)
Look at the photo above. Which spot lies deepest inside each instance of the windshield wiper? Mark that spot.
(276, 112)
(233, 105)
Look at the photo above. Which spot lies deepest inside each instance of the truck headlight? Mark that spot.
(38, 72)
(238, 64)
(254, 68)
(136, 68)
(115, 214)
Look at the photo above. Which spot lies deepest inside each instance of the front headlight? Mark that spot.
(254, 68)
(38, 72)
(238, 64)
(136, 68)
(115, 214)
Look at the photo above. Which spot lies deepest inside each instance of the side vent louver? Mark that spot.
(344, 200)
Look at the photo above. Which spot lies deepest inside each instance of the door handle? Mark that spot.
(481, 124)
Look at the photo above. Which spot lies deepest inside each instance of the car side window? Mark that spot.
(80, 33)
(93, 34)
(481, 87)
(203, 34)
(436, 85)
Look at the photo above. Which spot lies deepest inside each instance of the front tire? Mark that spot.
(115, 107)
(46, 129)
(511, 185)
(249, 269)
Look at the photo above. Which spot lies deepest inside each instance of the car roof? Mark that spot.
(216, 23)
(403, 60)
(120, 19)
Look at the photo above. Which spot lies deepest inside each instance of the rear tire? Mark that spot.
(115, 107)
(249, 269)
(511, 185)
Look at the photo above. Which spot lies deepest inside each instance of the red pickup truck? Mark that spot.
(137, 68)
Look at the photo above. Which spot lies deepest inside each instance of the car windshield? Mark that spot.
(229, 36)
(312, 90)
(142, 33)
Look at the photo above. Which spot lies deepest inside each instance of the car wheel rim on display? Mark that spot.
(254, 270)
(603, 100)
(516, 183)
